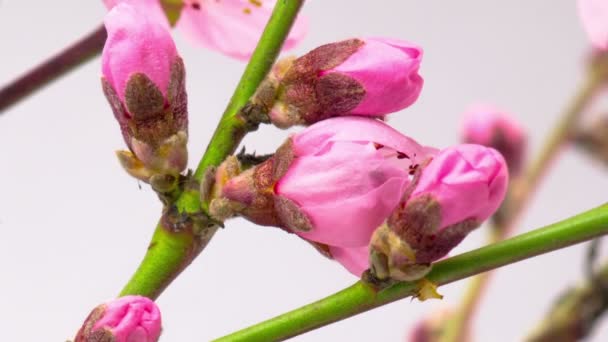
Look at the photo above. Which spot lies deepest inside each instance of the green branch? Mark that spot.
(51, 69)
(180, 237)
(361, 297)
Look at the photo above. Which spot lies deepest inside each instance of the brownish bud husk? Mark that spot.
(594, 140)
(305, 95)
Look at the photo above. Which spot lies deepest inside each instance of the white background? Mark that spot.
(74, 226)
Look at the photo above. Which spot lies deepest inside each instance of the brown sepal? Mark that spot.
(418, 224)
(310, 96)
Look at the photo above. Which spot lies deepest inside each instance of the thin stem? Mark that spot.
(51, 69)
(575, 313)
(361, 297)
(172, 250)
(520, 194)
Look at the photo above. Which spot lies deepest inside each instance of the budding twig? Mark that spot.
(171, 250)
(361, 297)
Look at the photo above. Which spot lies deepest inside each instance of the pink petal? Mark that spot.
(594, 15)
(232, 27)
(136, 44)
(314, 138)
(355, 260)
(347, 191)
(131, 318)
(469, 181)
(388, 71)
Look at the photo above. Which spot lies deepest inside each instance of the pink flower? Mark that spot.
(136, 44)
(367, 77)
(354, 259)
(144, 82)
(232, 27)
(594, 15)
(459, 189)
(491, 127)
(333, 183)
(126, 319)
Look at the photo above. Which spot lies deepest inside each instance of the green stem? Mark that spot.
(177, 239)
(51, 69)
(361, 297)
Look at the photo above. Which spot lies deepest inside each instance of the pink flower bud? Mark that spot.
(367, 77)
(126, 319)
(459, 189)
(594, 15)
(332, 183)
(143, 80)
(488, 126)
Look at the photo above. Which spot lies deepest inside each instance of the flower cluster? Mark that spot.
(358, 190)
(368, 196)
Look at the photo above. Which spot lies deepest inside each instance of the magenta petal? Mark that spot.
(131, 318)
(388, 71)
(136, 44)
(232, 27)
(314, 138)
(594, 15)
(469, 181)
(347, 191)
(355, 260)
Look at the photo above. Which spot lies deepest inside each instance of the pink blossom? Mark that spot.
(333, 183)
(388, 71)
(367, 77)
(126, 319)
(468, 181)
(594, 15)
(144, 83)
(459, 189)
(354, 166)
(491, 127)
(232, 27)
(136, 44)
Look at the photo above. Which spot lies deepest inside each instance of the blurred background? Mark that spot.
(74, 226)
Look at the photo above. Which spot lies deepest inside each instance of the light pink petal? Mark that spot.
(232, 27)
(594, 15)
(136, 44)
(469, 181)
(347, 191)
(355, 260)
(151, 8)
(314, 138)
(388, 71)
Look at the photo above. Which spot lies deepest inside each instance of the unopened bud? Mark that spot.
(460, 188)
(367, 77)
(126, 319)
(144, 82)
(491, 127)
(333, 183)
